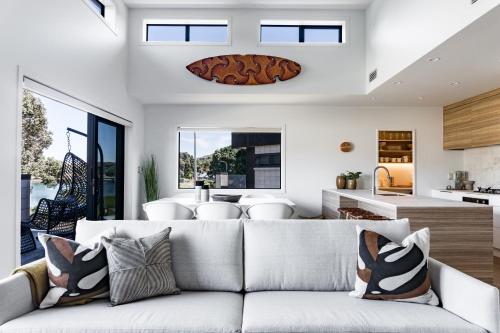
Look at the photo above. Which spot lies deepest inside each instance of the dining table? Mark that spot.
(244, 203)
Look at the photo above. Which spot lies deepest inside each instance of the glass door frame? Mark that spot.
(93, 148)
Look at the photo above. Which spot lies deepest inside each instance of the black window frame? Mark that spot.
(102, 7)
(302, 28)
(187, 31)
(273, 165)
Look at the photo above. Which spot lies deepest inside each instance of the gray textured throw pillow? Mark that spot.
(140, 268)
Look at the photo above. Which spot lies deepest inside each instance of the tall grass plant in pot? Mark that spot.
(149, 171)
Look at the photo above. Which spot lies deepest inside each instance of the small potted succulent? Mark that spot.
(341, 181)
(352, 179)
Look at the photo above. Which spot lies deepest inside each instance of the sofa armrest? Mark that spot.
(15, 297)
(465, 296)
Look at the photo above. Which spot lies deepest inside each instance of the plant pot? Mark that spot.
(341, 182)
(352, 184)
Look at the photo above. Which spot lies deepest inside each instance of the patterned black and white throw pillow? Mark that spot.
(77, 272)
(390, 271)
(140, 268)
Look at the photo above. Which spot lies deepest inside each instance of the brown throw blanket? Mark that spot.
(36, 272)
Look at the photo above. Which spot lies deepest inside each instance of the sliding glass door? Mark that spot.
(105, 156)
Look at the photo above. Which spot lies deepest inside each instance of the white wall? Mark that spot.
(64, 44)
(158, 73)
(483, 165)
(313, 135)
(400, 32)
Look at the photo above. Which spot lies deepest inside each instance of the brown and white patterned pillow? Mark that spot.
(390, 271)
(77, 272)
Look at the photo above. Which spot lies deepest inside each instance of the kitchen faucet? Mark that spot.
(374, 189)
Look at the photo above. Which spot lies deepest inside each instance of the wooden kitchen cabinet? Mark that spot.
(474, 122)
(457, 128)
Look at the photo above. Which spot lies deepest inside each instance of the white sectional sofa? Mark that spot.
(288, 276)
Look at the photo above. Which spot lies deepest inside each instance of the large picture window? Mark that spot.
(230, 159)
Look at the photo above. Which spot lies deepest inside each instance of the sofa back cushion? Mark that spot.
(318, 255)
(206, 255)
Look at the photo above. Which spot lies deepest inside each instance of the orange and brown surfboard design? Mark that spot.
(247, 69)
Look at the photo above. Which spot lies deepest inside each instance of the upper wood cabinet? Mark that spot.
(474, 122)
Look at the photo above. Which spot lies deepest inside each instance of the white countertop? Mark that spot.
(401, 201)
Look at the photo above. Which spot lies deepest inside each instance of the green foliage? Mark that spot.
(186, 166)
(48, 169)
(235, 159)
(212, 164)
(353, 175)
(149, 171)
(203, 164)
(35, 139)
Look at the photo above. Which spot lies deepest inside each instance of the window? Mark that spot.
(98, 7)
(326, 32)
(230, 159)
(187, 32)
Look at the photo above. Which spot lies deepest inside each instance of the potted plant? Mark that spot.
(149, 171)
(341, 181)
(352, 179)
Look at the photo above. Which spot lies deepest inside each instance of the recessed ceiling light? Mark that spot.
(420, 98)
(397, 83)
(455, 83)
(435, 59)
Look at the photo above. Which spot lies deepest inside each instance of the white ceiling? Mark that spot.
(471, 58)
(298, 4)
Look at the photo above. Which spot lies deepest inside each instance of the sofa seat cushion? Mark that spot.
(188, 312)
(302, 311)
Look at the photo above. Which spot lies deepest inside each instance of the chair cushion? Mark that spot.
(198, 312)
(206, 255)
(310, 255)
(297, 312)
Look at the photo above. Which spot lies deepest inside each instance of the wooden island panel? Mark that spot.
(461, 233)
(460, 237)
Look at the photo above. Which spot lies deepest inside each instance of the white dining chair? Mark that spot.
(167, 210)
(270, 211)
(218, 211)
(261, 196)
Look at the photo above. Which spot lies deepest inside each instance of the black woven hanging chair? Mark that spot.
(59, 216)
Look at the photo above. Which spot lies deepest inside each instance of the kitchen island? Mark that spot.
(461, 232)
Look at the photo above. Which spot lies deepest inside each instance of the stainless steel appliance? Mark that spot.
(459, 177)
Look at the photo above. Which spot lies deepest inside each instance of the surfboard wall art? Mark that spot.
(246, 69)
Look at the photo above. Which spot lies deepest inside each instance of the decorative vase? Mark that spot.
(341, 182)
(351, 184)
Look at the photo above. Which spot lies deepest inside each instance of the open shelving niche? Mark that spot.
(404, 141)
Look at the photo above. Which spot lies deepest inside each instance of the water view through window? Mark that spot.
(230, 159)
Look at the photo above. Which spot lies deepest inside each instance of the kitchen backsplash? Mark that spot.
(483, 165)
